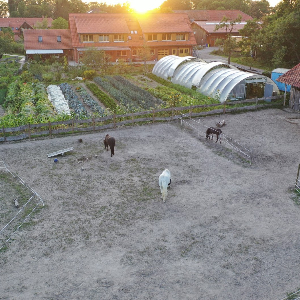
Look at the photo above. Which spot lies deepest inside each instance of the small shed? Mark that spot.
(277, 73)
(292, 78)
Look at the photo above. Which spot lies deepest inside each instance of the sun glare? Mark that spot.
(142, 7)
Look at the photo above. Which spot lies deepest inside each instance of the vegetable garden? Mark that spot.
(30, 98)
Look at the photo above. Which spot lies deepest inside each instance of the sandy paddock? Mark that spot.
(228, 229)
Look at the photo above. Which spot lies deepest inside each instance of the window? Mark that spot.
(104, 38)
(121, 53)
(40, 39)
(180, 37)
(152, 37)
(184, 51)
(87, 38)
(174, 51)
(166, 37)
(58, 38)
(118, 38)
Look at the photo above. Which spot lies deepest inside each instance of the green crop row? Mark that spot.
(107, 101)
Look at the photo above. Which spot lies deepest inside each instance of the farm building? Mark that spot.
(292, 78)
(277, 73)
(215, 79)
(204, 23)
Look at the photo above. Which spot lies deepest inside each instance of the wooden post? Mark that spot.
(153, 115)
(29, 133)
(50, 129)
(256, 101)
(3, 130)
(298, 174)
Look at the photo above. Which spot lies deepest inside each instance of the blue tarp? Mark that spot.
(275, 74)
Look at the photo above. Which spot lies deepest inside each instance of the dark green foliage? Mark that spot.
(103, 97)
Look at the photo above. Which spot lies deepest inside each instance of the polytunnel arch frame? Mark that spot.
(166, 68)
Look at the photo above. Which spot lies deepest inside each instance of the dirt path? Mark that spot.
(227, 230)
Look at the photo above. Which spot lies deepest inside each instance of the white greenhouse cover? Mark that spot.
(215, 79)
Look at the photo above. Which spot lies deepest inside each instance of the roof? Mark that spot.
(100, 23)
(210, 26)
(49, 39)
(291, 77)
(212, 15)
(280, 70)
(168, 23)
(18, 22)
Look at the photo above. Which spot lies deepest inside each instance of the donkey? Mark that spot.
(110, 141)
(211, 131)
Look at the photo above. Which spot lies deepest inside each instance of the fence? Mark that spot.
(229, 142)
(30, 131)
(30, 202)
(297, 184)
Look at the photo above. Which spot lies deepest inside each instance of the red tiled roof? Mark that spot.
(168, 23)
(291, 77)
(49, 37)
(210, 27)
(18, 22)
(100, 23)
(213, 15)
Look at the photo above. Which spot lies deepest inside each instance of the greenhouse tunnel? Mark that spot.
(215, 79)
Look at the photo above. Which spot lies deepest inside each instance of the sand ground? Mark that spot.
(228, 229)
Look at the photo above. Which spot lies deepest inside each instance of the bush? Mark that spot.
(89, 74)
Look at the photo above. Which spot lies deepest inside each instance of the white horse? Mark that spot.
(164, 183)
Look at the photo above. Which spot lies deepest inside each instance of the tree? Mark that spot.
(95, 59)
(60, 23)
(177, 4)
(64, 7)
(229, 43)
(144, 53)
(258, 9)
(6, 41)
(250, 43)
(3, 9)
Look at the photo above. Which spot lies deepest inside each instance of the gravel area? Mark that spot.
(228, 229)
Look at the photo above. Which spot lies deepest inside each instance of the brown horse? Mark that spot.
(211, 131)
(110, 141)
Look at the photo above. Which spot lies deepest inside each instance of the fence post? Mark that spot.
(3, 130)
(50, 129)
(29, 132)
(298, 174)
(153, 115)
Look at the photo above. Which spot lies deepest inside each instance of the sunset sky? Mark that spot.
(142, 6)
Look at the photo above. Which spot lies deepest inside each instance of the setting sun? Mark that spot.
(142, 7)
